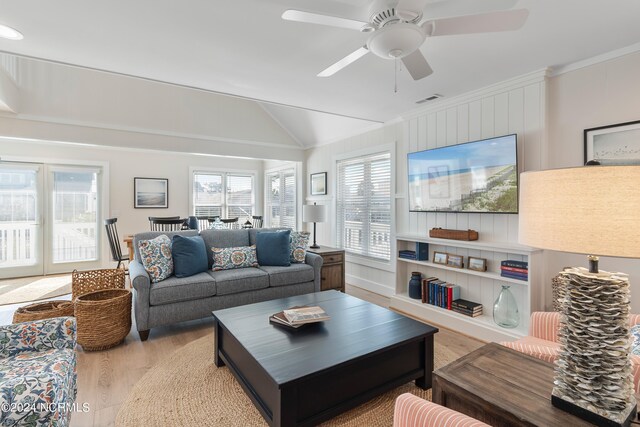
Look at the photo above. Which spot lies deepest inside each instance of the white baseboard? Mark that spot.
(370, 286)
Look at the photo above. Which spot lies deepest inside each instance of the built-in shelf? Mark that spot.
(506, 247)
(485, 274)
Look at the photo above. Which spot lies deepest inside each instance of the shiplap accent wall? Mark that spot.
(515, 106)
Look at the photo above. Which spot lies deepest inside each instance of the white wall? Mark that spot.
(597, 95)
(516, 106)
(124, 165)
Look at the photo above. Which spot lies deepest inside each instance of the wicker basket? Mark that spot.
(43, 310)
(83, 282)
(104, 318)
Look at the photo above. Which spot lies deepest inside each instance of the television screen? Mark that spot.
(479, 176)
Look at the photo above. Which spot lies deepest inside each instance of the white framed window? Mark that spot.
(280, 198)
(223, 194)
(364, 205)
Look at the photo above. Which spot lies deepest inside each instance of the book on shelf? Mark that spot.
(298, 316)
(422, 251)
(453, 293)
(512, 275)
(466, 304)
(514, 264)
(467, 312)
(514, 269)
(425, 288)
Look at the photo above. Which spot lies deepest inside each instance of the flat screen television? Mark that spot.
(474, 177)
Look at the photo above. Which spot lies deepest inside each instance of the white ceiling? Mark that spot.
(244, 48)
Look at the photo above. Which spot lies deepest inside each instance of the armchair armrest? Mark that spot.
(56, 333)
(412, 411)
(141, 295)
(315, 261)
(544, 325)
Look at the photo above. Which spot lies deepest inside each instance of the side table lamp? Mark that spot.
(593, 210)
(314, 213)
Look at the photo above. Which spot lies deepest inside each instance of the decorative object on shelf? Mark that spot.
(558, 290)
(505, 309)
(477, 264)
(150, 193)
(456, 261)
(443, 233)
(440, 257)
(415, 285)
(590, 210)
(314, 213)
(318, 184)
(617, 144)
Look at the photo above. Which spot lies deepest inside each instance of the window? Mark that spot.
(281, 198)
(227, 195)
(364, 205)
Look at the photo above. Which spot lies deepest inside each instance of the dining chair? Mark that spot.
(231, 222)
(257, 221)
(204, 221)
(114, 241)
(169, 224)
(152, 219)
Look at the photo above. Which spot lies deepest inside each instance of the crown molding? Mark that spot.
(608, 56)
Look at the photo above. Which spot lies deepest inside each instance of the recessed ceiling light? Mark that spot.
(10, 33)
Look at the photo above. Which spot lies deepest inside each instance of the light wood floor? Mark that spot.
(105, 378)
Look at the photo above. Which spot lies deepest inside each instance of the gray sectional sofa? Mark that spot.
(178, 299)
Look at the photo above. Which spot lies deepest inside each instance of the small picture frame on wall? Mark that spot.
(440, 257)
(617, 144)
(318, 184)
(477, 264)
(150, 193)
(456, 261)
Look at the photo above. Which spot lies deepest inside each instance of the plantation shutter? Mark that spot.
(281, 199)
(207, 194)
(239, 196)
(364, 205)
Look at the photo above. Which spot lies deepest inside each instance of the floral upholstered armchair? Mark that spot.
(38, 372)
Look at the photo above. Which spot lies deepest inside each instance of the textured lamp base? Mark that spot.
(618, 419)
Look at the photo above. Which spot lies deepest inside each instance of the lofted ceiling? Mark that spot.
(244, 48)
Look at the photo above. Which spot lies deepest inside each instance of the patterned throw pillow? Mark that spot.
(635, 346)
(299, 243)
(156, 257)
(236, 257)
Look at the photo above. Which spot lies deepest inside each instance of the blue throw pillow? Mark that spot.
(189, 255)
(273, 248)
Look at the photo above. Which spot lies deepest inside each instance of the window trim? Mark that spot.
(296, 171)
(354, 258)
(224, 172)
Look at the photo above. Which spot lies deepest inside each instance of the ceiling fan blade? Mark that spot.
(316, 18)
(352, 57)
(448, 8)
(505, 20)
(417, 65)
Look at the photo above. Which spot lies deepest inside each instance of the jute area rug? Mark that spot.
(187, 389)
(27, 289)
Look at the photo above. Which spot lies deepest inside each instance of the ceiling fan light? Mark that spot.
(396, 41)
(7, 32)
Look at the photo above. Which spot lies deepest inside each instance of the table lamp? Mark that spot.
(313, 213)
(592, 210)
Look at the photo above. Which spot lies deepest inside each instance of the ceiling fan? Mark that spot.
(398, 30)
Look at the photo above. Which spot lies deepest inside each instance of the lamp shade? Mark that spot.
(593, 210)
(314, 213)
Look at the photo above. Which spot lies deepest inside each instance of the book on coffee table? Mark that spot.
(298, 316)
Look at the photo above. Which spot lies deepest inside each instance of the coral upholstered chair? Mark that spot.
(412, 411)
(543, 342)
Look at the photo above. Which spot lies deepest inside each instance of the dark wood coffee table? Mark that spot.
(304, 377)
(501, 387)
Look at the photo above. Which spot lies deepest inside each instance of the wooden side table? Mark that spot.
(332, 272)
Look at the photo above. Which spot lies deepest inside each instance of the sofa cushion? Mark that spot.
(283, 276)
(176, 289)
(148, 235)
(223, 239)
(239, 280)
(274, 248)
(235, 257)
(253, 232)
(299, 244)
(155, 255)
(189, 255)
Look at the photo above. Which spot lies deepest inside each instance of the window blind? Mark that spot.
(363, 205)
(281, 198)
(239, 196)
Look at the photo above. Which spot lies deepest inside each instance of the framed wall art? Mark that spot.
(617, 144)
(318, 184)
(150, 193)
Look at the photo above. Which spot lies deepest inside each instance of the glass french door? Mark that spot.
(48, 231)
